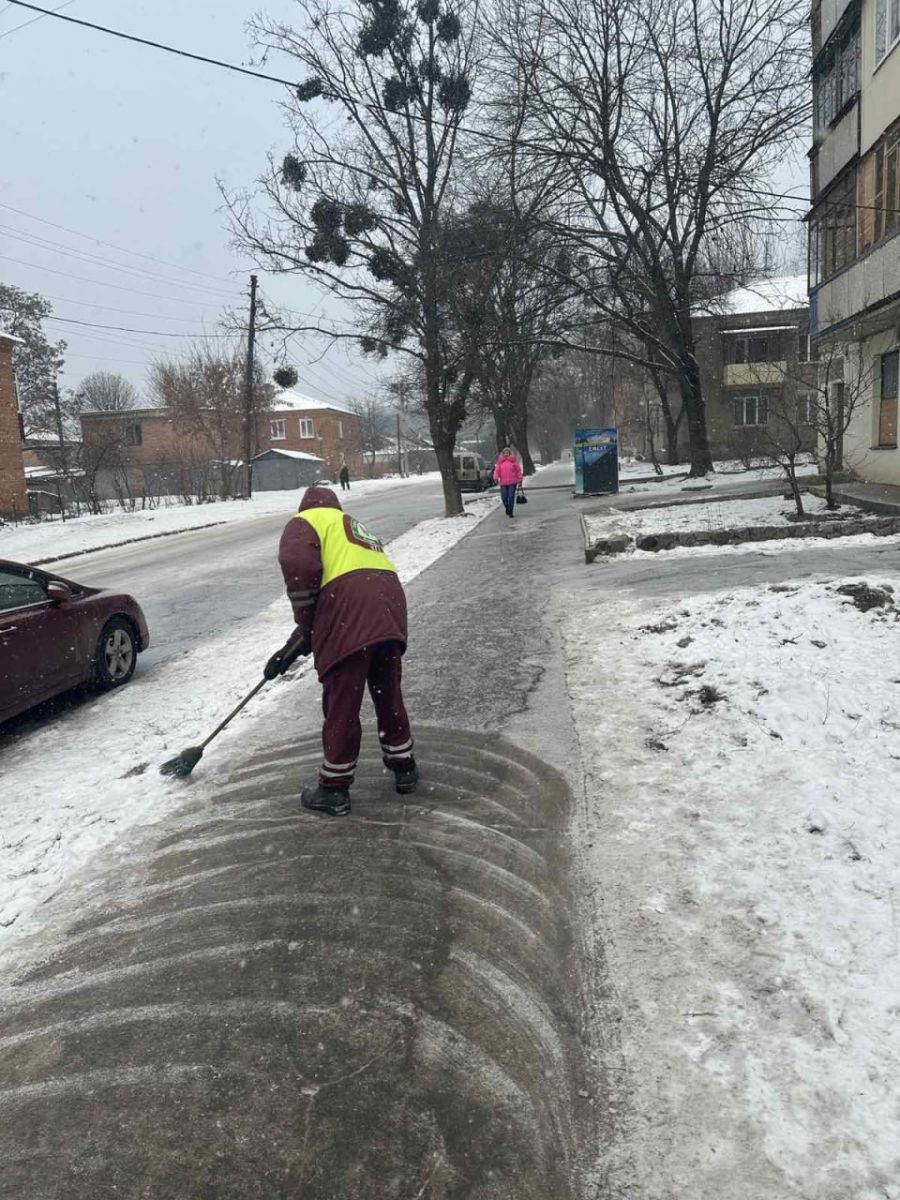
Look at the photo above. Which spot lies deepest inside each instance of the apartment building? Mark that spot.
(13, 500)
(753, 350)
(854, 248)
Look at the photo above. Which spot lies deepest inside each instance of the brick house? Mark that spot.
(753, 350)
(293, 421)
(149, 449)
(13, 498)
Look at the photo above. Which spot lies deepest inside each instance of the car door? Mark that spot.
(39, 650)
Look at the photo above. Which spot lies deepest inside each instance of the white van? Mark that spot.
(472, 471)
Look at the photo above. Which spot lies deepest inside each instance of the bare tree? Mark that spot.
(809, 413)
(667, 118)
(204, 392)
(360, 205)
(374, 425)
(104, 391)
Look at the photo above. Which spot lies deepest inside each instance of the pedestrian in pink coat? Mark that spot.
(508, 474)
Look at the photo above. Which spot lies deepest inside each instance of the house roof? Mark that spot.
(764, 295)
(761, 329)
(289, 400)
(289, 454)
(9, 337)
(123, 414)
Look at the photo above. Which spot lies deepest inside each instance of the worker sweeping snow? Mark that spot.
(350, 611)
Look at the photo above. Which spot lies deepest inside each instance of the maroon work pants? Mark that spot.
(378, 666)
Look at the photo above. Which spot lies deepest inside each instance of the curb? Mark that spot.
(882, 507)
(150, 537)
(879, 526)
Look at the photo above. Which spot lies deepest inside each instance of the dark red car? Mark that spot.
(56, 634)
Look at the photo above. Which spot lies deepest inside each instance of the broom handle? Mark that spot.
(234, 712)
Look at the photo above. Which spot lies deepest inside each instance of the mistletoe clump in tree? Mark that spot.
(363, 211)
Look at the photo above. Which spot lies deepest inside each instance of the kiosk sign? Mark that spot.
(596, 461)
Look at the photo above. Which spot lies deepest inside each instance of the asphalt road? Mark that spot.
(191, 586)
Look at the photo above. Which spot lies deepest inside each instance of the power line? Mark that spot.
(34, 20)
(130, 37)
(215, 62)
(125, 312)
(125, 329)
(102, 283)
(85, 256)
(112, 246)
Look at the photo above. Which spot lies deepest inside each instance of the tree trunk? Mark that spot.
(672, 455)
(443, 449)
(520, 437)
(791, 472)
(695, 410)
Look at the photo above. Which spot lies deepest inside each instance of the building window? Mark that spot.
(340, 425)
(750, 410)
(836, 77)
(133, 434)
(887, 27)
(751, 350)
(879, 191)
(807, 408)
(832, 231)
(306, 427)
(276, 431)
(887, 415)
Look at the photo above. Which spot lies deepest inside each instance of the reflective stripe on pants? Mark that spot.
(380, 667)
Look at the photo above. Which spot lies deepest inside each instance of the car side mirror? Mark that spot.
(59, 591)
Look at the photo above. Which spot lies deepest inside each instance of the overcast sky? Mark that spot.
(124, 144)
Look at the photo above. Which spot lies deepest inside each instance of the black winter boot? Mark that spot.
(406, 777)
(333, 801)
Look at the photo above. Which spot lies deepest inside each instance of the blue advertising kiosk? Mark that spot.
(596, 461)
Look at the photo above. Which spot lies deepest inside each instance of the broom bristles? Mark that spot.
(182, 764)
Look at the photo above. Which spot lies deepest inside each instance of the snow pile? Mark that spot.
(724, 514)
(76, 785)
(743, 829)
(49, 539)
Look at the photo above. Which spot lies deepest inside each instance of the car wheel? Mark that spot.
(116, 655)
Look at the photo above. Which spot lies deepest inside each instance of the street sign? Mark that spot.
(596, 461)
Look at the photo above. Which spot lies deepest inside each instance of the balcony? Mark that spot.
(859, 290)
(755, 374)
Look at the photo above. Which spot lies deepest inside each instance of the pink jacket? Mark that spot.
(507, 471)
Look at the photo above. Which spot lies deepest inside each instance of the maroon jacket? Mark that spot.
(358, 609)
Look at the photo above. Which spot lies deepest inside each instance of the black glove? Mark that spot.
(288, 654)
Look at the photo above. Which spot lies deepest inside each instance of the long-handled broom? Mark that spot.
(182, 764)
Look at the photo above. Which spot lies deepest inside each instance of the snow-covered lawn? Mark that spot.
(47, 539)
(724, 514)
(725, 475)
(76, 785)
(742, 827)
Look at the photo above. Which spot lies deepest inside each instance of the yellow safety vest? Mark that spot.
(346, 545)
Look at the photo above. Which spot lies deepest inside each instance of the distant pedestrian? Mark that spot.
(508, 474)
(350, 611)
(344, 477)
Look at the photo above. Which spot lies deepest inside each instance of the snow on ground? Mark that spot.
(725, 514)
(76, 784)
(46, 539)
(742, 827)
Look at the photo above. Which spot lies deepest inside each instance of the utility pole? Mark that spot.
(62, 467)
(248, 390)
(399, 451)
